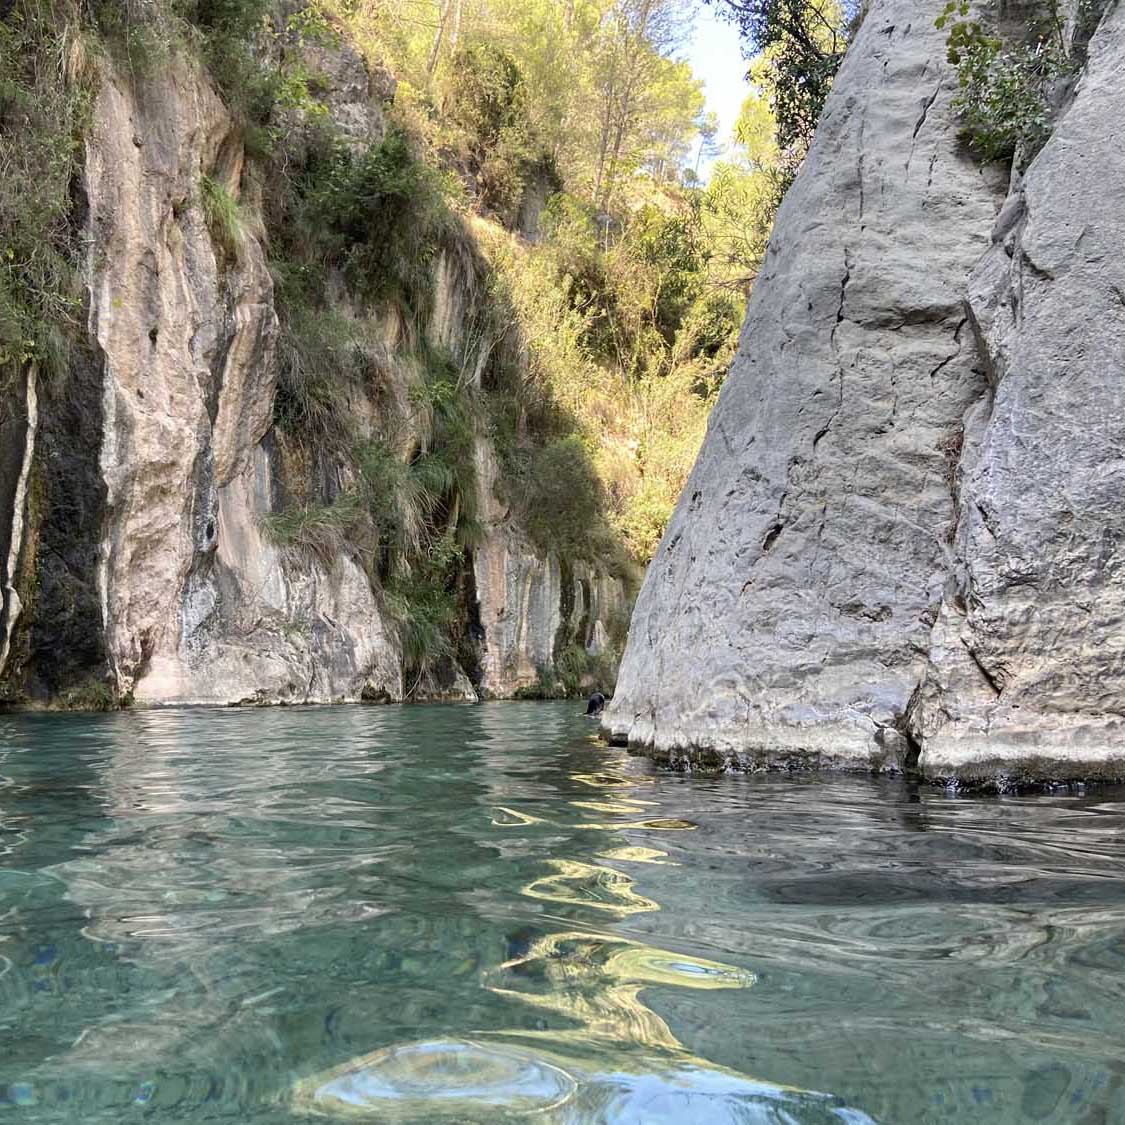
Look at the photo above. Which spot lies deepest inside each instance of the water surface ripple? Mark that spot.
(466, 914)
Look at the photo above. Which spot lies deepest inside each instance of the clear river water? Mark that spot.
(481, 913)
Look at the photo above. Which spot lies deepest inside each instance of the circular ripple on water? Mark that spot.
(446, 1077)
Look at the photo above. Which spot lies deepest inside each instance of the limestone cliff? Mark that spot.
(1027, 661)
(901, 534)
(135, 561)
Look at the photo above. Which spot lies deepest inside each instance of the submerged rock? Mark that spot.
(901, 535)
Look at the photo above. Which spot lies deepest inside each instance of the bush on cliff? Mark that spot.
(1009, 91)
(43, 105)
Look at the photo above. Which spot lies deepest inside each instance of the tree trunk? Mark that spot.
(435, 50)
(455, 32)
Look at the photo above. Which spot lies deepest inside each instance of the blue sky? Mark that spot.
(716, 57)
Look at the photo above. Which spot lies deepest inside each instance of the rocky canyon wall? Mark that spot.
(135, 561)
(899, 544)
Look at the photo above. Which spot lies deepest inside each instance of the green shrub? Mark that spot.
(456, 421)
(560, 497)
(321, 356)
(140, 36)
(41, 118)
(573, 674)
(379, 216)
(233, 37)
(424, 603)
(224, 218)
(1004, 99)
(322, 530)
(403, 498)
(486, 98)
(93, 695)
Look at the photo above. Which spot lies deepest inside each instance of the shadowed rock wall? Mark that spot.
(134, 563)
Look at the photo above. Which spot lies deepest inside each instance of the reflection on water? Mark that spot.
(596, 982)
(480, 913)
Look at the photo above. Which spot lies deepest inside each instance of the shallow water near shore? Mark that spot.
(483, 913)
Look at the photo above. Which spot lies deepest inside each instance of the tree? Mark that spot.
(740, 201)
(637, 37)
(801, 44)
(708, 127)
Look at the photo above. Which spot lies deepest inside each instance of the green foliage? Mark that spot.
(455, 447)
(233, 33)
(404, 499)
(741, 200)
(1004, 99)
(43, 104)
(378, 216)
(224, 219)
(801, 44)
(93, 695)
(486, 98)
(424, 603)
(141, 37)
(236, 20)
(322, 530)
(574, 673)
(560, 497)
(965, 35)
(626, 348)
(322, 358)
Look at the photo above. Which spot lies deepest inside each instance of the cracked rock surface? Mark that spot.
(787, 617)
(1027, 670)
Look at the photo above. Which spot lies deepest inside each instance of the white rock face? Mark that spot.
(786, 615)
(198, 608)
(19, 420)
(902, 533)
(1028, 669)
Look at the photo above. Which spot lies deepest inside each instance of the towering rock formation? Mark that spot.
(1027, 660)
(134, 559)
(901, 534)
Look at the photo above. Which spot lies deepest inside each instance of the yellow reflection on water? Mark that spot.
(655, 824)
(588, 884)
(515, 818)
(622, 805)
(607, 780)
(638, 855)
(597, 981)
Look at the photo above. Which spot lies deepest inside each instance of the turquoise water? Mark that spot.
(482, 914)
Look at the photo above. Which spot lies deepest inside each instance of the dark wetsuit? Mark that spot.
(596, 704)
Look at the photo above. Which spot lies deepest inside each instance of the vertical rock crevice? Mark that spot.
(1027, 676)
